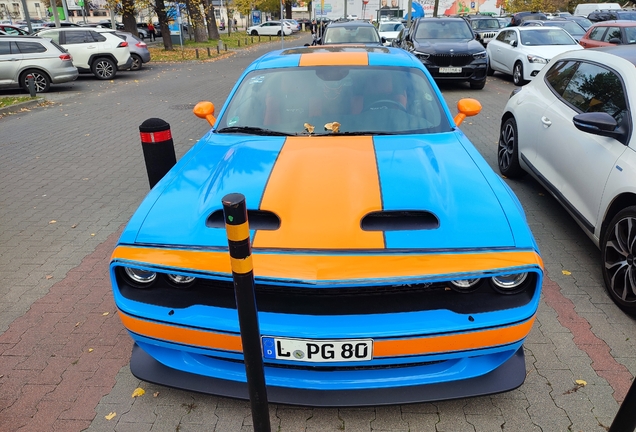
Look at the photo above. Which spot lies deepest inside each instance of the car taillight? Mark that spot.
(141, 45)
(65, 57)
(122, 44)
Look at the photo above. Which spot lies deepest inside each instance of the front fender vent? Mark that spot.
(399, 220)
(258, 220)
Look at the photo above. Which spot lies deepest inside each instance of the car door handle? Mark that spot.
(546, 121)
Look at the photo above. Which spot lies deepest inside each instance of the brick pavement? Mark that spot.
(81, 166)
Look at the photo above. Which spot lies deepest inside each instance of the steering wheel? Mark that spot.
(388, 103)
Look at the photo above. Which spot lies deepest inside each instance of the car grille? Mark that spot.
(488, 35)
(444, 60)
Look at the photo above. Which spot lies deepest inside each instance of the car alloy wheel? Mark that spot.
(618, 250)
(517, 74)
(508, 150)
(42, 81)
(137, 63)
(104, 68)
(254, 33)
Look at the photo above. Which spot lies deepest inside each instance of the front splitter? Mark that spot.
(508, 376)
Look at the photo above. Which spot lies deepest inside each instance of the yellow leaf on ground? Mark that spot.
(155, 394)
(565, 272)
(53, 221)
(105, 313)
(110, 416)
(581, 383)
(90, 350)
(138, 392)
(49, 277)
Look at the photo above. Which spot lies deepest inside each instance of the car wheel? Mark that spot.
(278, 34)
(618, 249)
(490, 71)
(477, 85)
(508, 150)
(103, 68)
(254, 33)
(137, 63)
(517, 74)
(41, 80)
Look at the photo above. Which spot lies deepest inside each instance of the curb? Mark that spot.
(19, 106)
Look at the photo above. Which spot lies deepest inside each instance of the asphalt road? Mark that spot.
(72, 173)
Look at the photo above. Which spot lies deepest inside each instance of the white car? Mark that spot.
(389, 30)
(269, 28)
(96, 50)
(523, 51)
(572, 129)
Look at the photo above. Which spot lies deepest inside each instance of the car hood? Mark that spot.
(443, 46)
(321, 189)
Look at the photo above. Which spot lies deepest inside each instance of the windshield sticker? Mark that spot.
(234, 120)
(257, 80)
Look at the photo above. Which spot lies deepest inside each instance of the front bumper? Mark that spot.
(471, 72)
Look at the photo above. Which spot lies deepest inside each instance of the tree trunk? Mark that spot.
(128, 16)
(213, 30)
(288, 10)
(196, 20)
(160, 10)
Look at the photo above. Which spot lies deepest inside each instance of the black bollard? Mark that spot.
(625, 420)
(209, 55)
(158, 147)
(238, 238)
(31, 85)
(196, 52)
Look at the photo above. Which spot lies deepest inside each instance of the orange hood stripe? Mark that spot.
(322, 187)
(334, 59)
(332, 267)
(382, 348)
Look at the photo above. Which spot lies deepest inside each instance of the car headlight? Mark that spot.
(464, 285)
(536, 59)
(180, 280)
(509, 284)
(140, 277)
(480, 55)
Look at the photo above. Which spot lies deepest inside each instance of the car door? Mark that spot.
(576, 164)
(10, 61)
(504, 53)
(594, 38)
(81, 45)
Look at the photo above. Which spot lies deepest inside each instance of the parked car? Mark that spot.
(109, 24)
(12, 30)
(572, 129)
(485, 26)
(389, 30)
(391, 263)
(295, 26)
(351, 32)
(609, 33)
(584, 9)
(138, 50)
(269, 28)
(582, 21)
(449, 49)
(611, 15)
(51, 24)
(47, 62)
(95, 50)
(523, 51)
(574, 30)
(519, 17)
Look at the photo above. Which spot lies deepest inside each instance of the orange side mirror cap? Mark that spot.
(205, 110)
(467, 107)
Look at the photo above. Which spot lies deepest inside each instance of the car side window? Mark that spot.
(97, 37)
(5, 48)
(501, 37)
(594, 88)
(30, 47)
(559, 75)
(612, 32)
(54, 35)
(77, 37)
(597, 33)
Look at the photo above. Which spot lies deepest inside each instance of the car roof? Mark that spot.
(97, 29)
(616, 23)
(354, 23)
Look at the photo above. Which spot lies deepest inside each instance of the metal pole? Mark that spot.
(408, 19)
(65, 7)
(26, 16)
(238, 238)
(345, 9)
(282, 27)
(625, 420)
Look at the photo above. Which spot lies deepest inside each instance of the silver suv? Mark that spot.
(21, 56)
(95, 50)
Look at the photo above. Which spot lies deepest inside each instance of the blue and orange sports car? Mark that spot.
(391, 263)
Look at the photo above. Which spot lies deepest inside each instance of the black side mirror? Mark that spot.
(600, 123)
(383, 40)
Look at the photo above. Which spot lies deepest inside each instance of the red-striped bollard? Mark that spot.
(158, 147)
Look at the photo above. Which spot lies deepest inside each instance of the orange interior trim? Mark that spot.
(382, 348)
(331, 267)
(334, 59)
(312, 174)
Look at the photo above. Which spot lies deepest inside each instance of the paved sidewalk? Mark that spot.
(73, 173)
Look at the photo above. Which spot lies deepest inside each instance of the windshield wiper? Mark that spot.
(252, 130)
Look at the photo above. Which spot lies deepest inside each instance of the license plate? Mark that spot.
(450, 70)
(317, 351)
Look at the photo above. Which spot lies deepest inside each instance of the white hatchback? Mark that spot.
(96, 50)
(269, 28)
(572, 129)
(523, 51)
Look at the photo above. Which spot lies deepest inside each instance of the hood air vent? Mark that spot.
(258, 220)
(399, 220)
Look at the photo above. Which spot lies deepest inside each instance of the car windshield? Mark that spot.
(569, 26)
(351, 34)
(390, 27)
(435, 29)
(485, 24)
(546, 37)
(583, 22)
(334, 99)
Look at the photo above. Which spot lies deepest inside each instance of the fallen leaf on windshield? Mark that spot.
(309, 128)
(334, 127)
(138, 392)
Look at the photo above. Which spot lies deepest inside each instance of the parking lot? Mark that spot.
(73, 173)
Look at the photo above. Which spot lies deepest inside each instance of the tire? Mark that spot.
(490, 71)
(103, 68)
(41, 80)
(477, 85)
(618, 265)
(137, 63)
(254, 33)
(508, 150)
(517, 74)
(278, 34)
